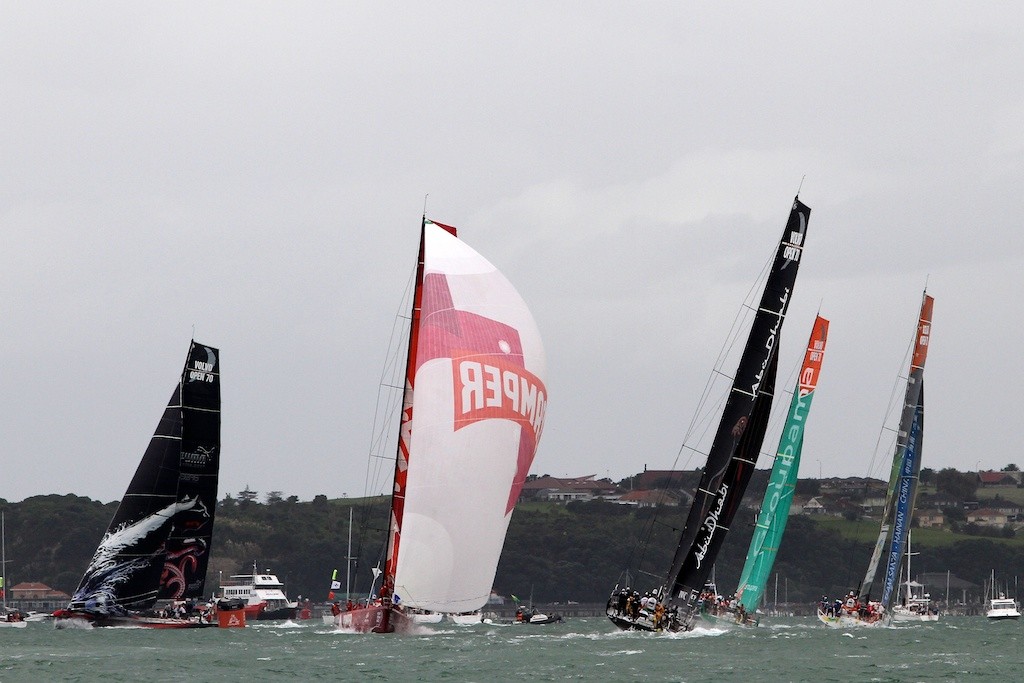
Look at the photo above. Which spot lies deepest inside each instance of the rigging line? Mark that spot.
(741, 323)
(894, 396)
(390, 390)
(746, 313)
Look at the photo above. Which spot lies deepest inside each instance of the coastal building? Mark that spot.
(566, 489)
(36, 597)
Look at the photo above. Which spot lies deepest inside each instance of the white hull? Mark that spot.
(1002, 608)
(911, 618)
(39, 616)
(997, 613)
(428, 618)
(918, 610)
(1000, 615)
(846, 620)
(466, 619)
(13, 624)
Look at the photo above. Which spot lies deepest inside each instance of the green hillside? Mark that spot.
(561, 552)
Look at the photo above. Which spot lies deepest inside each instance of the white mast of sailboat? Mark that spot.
(3, 557)
(776, 592)
(348, 559)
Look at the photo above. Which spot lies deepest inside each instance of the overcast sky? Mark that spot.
(256, 171)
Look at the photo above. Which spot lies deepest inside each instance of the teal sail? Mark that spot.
(771, 520)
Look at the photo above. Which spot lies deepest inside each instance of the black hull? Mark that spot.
(556, 619)
(73, 619)
(627, 624)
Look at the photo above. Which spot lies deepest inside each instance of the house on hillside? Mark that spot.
(563, 490)
(930, 518)
(813, 507)
(873, 506)
(992, 479)
(854, 486)
(1014, 511)
(987, 517)
(653, 498)
(665, 479)
(938, 500)
(796, 504)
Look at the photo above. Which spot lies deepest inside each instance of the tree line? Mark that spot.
(557, 553)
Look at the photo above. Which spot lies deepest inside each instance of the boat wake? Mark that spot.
(72, 623)
(288, 623)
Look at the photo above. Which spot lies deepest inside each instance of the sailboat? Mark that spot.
(674, 604)
(530, 615)
(8, 619)
(774, 512)
(915, 604)
(472, 416)
(858, 608)
(158, 544)
(1000, 607)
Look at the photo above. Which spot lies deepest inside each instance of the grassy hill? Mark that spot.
(559, 552)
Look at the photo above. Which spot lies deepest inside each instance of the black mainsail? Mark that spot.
(158, 543)
(188, 546)
(737, 442)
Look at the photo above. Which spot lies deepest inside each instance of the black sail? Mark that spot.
(125, 572)
(188, 546)
(742, 427)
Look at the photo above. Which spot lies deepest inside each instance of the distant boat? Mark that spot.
(1000, 607)
(858, 608)
(9, 618)
(158, 544)
(915, 604)
(531, 617)
(262, 593)
(731, 459)
(472, 416)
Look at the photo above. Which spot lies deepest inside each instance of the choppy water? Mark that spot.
(956, 649)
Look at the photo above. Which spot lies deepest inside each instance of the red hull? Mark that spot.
(371, 619)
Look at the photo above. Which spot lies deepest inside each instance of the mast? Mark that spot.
(348, 559)
(737, 441)
(774, 513)
(404, 435)
(3, 558)
(902, 490)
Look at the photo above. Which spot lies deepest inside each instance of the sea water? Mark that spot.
(794, 649)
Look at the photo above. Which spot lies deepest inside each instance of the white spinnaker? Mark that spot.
(459, 481)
